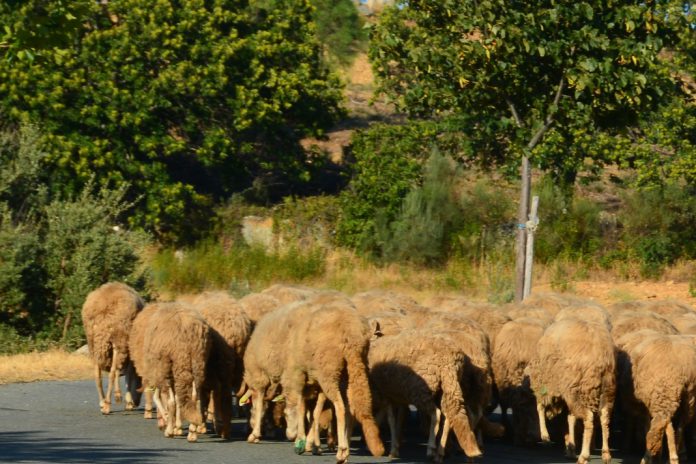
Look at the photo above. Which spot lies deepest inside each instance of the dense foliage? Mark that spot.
(56, 249)
(188, 101)
(545, 79)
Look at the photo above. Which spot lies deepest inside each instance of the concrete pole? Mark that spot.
(521, 240)
(529, 258)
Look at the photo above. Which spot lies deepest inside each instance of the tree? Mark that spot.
(188, 101)
(522, 70)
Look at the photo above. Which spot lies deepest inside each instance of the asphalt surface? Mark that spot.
(59, 422)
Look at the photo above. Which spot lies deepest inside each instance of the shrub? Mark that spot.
(339, 28)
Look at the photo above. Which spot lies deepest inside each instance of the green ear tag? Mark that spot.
(543, 390)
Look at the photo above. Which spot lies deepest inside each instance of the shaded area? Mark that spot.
(40, 446)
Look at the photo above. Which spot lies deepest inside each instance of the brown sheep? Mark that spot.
(232, 329)
(526, 311)
(388, 323)
(553, 302)
(265, 356)
(490, 318)
(514, 349)
(257, 305)
(663, 372)
(575, 365)
(380, 301)
(330, 344)
(177, 345)
(626, 323)
(136, 347)
(289, 293)
(416, 367)
(107, 316)
(591, 313)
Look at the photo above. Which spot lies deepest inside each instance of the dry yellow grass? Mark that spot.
(49, 365)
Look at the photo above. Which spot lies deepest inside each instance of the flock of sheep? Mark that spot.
(314, 362)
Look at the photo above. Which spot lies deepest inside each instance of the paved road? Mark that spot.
(59, 422)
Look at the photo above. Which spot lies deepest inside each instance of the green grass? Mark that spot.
(240, 269)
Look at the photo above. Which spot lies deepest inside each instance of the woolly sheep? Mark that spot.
(177, 345)
(575, 364)
(107, 316)
(415, 367)
(326, 346)
(514, 349)
(626, 323)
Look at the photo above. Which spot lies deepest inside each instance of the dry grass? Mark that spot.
(49, 365)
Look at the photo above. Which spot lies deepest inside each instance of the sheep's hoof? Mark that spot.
(130, 406)
(178, 431)
(300, 446)
(202, 428)
(117, 397)
(105, 408)
(161, 423)
(342, 455)
(606, 458)
(583, 459)
(252, 438)
(394, 454)
(316, 451)
(168, 432)
(148, 414)
(570, 451)
(331, 447)
(192, 436)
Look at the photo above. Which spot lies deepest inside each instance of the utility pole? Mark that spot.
(522, 217)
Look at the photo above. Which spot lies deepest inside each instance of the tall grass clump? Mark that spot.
(210, 265)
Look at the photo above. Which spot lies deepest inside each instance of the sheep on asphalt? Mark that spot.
(575, 366)
(107, 316)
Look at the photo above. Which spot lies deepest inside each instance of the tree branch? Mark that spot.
(549, 117)
(515, 114)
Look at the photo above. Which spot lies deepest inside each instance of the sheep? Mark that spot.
(575, 364)
(329, 344)
(265, 356)
(177, 346)
(289, 293)
(590, 312)
(416, 367)
(514, 349)
(668, 308)
(526, 311)
(684, 323)
(388, 323)
(107, 316)
(379, 301)
(231, 329)
(553, 302)
(136, 347)
(626, 323)
(664, 382)
(490, 318)
(257, 305)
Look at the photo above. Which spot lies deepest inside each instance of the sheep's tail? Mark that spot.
(454, 409)
(360, 400)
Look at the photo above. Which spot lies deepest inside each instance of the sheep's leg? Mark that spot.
(393, 429)
(195, 427)
(331, 433)
(258, 405)
(653, 439)
(100, 387)
(301, 437)
(570, 438)
(171, 414)
(442, 448)
(178, 429)
(672, 444)
(588, 423)
(342, 428)
(133, 387)
(162, 416)
(435, 416)
(604, 418)
(148, 403)
(542, 423)
(315, 444)
(113, 385)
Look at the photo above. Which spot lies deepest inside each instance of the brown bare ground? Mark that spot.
(49, 365)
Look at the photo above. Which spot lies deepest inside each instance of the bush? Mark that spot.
(53, 251)
(209, 265)
(386, 163)
(340, 29)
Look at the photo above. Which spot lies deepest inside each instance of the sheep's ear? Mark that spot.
(376, 330)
